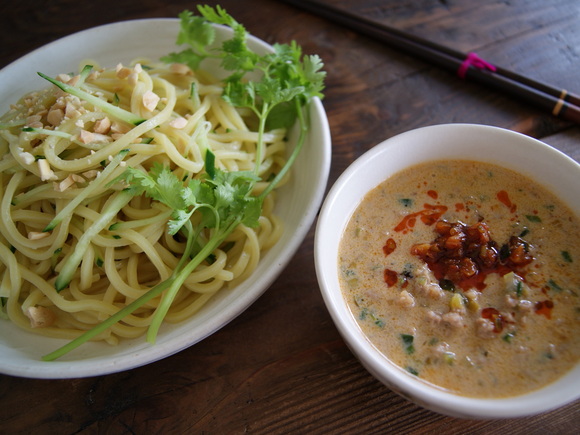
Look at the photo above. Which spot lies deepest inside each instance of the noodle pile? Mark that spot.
(55, 147)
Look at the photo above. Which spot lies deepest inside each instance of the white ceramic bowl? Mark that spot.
(556, 171)
(298, 204)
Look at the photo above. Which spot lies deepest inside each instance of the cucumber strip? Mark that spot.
(117, 112)
(13, 123)
(83, 75)
(55, 133)
(101, 327)
(86, 192)
(72, 262)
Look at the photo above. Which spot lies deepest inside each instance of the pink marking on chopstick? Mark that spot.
(475, 61)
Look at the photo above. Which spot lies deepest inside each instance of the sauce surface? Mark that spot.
(466, 275)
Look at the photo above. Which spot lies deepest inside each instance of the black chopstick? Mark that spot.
(559, 102)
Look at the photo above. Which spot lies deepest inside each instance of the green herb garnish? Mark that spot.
(287, 80)
(412, 370)
(509, 337)
(554, 285)
(566, 256)
(533, 218)
(366, 313)
(519, 288)
(406, 202)
(407, 340)
(447, 285)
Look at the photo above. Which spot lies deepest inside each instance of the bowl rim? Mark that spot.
(277, 257)
(326, 240)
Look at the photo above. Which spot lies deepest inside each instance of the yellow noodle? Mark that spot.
(40, 174)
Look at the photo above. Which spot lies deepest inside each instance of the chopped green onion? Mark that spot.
(407, 340)
(412, 370)
(509, 337)
(566, 256)
(554, 285)
(533, 218)
(406, 202)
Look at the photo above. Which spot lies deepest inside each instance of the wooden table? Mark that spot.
(281, 366)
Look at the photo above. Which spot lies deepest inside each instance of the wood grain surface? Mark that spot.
(281, 366)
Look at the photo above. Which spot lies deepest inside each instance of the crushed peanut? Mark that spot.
(150, 100)
(122, 72)
(37, 235)
(55, 116)
(86, 136)
(64, 78)
(102, 126)
(93, 173)
(178, 123)
(40, 317)
(74, 80)
(180, 68)
(133, 78)
(117, 127)
(27, 158)
(46, 172)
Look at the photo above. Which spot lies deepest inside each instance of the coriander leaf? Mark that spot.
(240, 94)
(187, 57)
(159, 184)
(220, 16)
(195, 31)
(286, 80)
(282, 115)
(314, 76)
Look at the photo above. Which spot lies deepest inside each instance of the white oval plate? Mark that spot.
(298, 204)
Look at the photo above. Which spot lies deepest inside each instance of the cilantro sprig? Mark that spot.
(287, 80)
(224, 201)
(221, 200)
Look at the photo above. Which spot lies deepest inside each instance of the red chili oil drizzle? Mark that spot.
(429, 215)
(476, 281)
(545, 308)
(433, 194)
(504, 198)
(390, 246)
(391, 277)
(496, 317)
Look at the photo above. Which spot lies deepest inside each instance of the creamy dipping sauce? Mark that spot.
(466, 275)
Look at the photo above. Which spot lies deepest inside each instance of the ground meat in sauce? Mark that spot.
(464, 254)
(470, 263)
